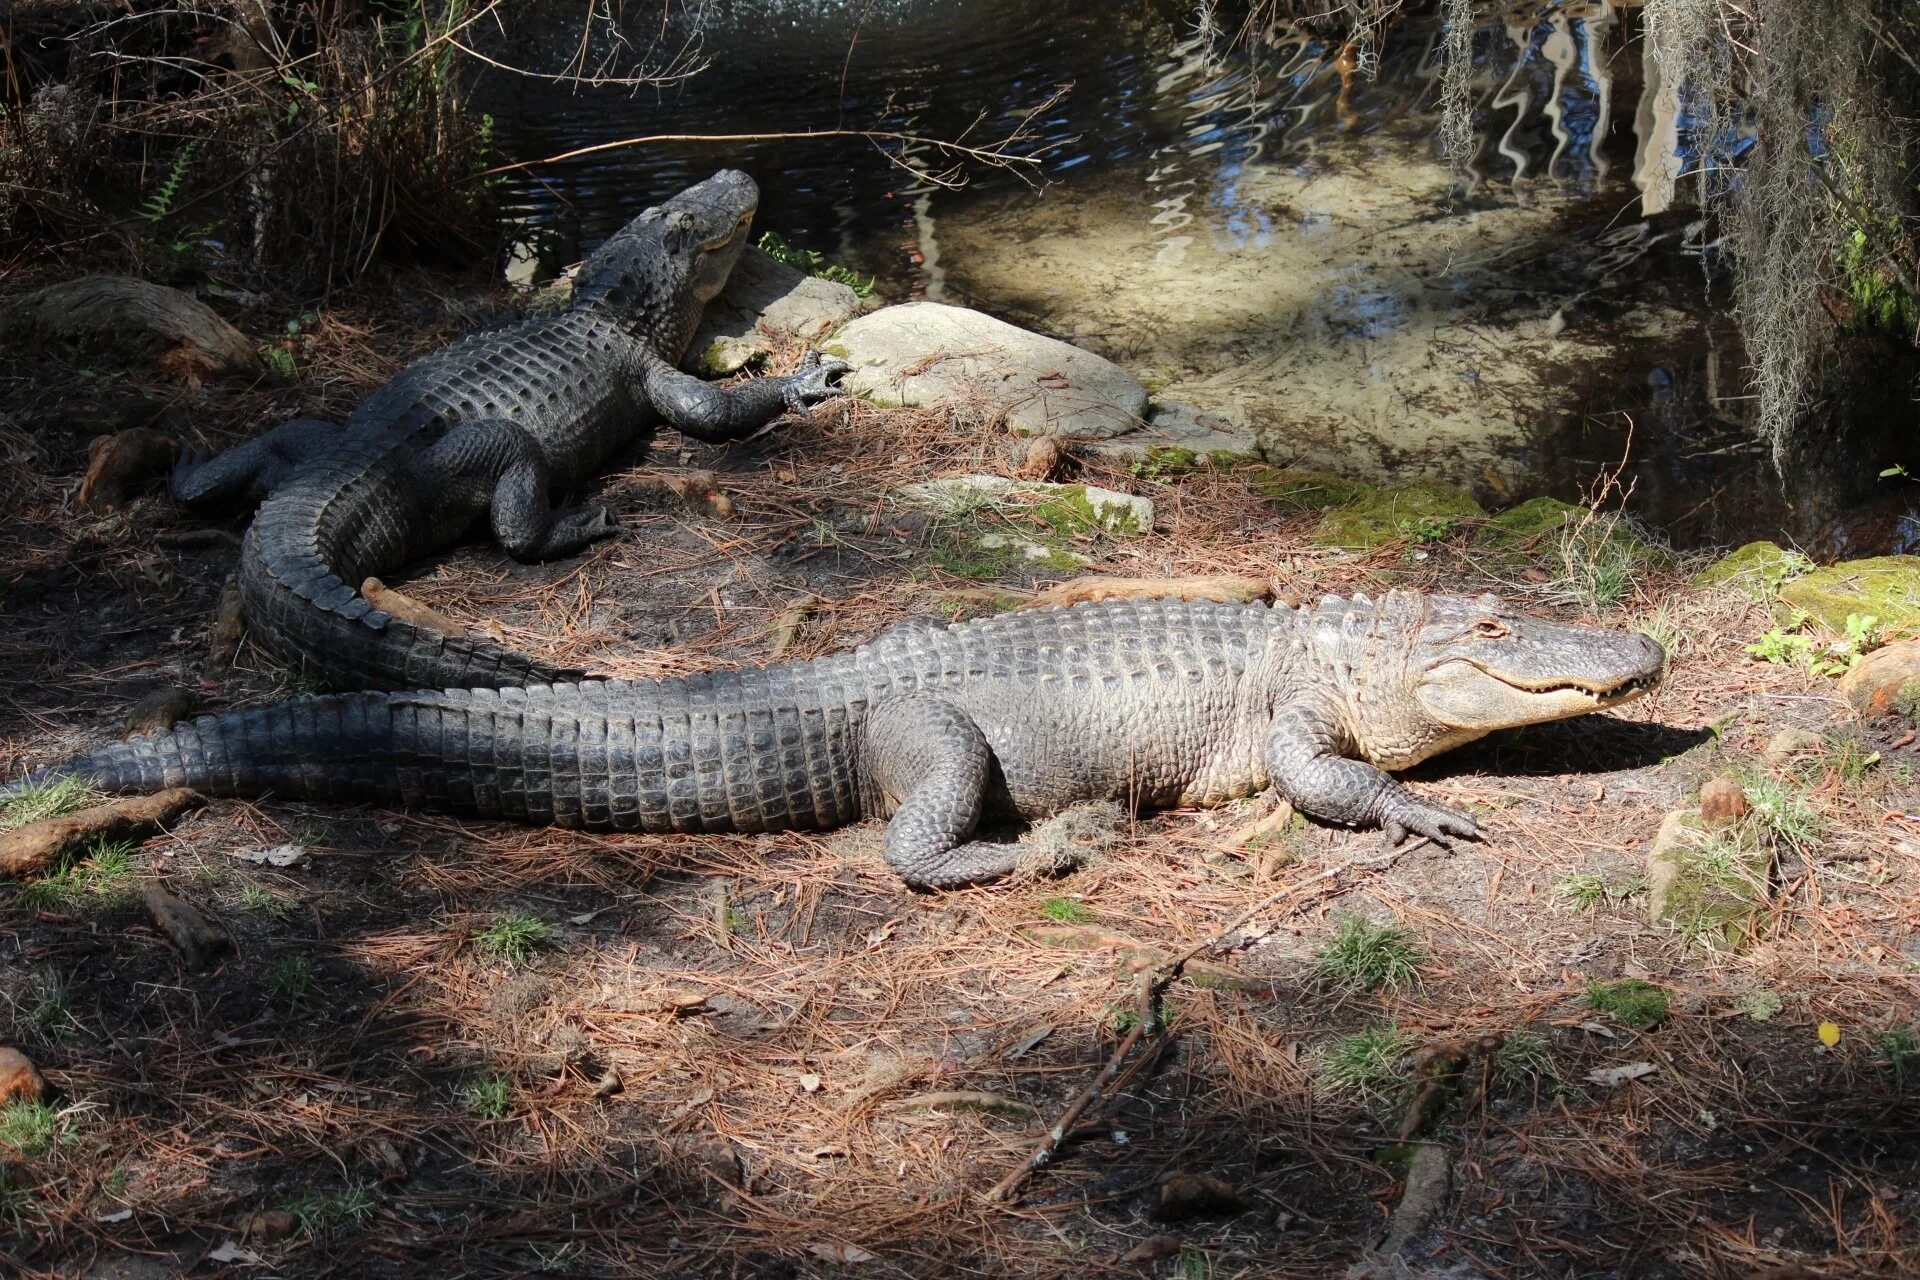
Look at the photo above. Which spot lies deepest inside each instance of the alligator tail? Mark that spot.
(297, 570)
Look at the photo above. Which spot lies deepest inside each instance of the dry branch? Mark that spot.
(35, 846)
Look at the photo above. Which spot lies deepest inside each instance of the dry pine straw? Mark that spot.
(709, 1063)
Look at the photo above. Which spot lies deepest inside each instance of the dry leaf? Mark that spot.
(1829, 1034)
(810, 1082)
(232, 1252)
(839, 1253)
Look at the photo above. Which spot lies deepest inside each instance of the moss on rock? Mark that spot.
(1705, 884)
(1757, 570)
(1301, 490)
(1883, 587)
(1421, 512)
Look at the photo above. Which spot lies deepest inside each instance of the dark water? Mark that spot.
(1183, 177)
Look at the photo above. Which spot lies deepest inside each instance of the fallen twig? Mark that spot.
(35, 846)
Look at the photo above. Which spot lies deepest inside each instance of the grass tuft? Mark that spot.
(1363, 956)
(28, 1128)
(513, 938)
(290, 980)
(1523, 1053)
(490, 1097)
(1065, 911)
(1632, 1002)
(101, 880)
(1367, 1063)
(52, 799)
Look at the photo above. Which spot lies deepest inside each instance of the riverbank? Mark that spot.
(448, 1045)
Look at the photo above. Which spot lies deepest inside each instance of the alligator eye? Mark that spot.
(1490, 628)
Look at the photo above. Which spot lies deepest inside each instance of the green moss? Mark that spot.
(1757, 570)
(1883, 587)
(1523, 525)
(1632, 1002)
(1422, 511)
(1072, 510)
(1707, 885)
(1300, 490)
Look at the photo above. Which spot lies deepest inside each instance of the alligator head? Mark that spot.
(1438, 671)
(659, 271)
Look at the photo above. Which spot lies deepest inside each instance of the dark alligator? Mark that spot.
(492, 425)
(1159, 703)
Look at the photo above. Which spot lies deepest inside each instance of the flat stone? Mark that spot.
(1886, 681)
(1173, 430)
(766, 298)
(1723, 802)
(925, 354)
(1883, 587)
(1788, 743)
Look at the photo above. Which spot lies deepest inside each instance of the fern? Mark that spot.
(160, 203)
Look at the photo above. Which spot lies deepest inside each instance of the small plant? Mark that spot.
(276, 907)
(1901, 1048)
(28, 1128)
(1429, 529)
(811, 262)
(1632, 1002)
(160, 203)
(1367, 1063)
(1065, 911)
(52, 1005)
(490, 1097)
(279, 360)
(1193, 1264)
(1583, 890)
(513, 938)
(1600, 558)
(1848, 760)
(1783, 812)
(1787, 647)
(290, 979)
(101, 880)
(321, 1213)
(1363, 956)
(1522, 1054)
(50, 799)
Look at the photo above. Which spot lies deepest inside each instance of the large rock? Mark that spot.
(1886, 681)
(1706, 885)
(765, 297)
(1757, 570)
(1884, 587)
(925, 354)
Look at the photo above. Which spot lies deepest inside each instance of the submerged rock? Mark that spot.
(923, 354)
(765, 297)
(1883, 587)
(1421, 512)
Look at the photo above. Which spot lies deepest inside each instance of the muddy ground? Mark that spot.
(762, 1056)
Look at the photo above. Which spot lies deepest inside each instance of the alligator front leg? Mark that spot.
(718, 414)
(250, 470)
(494, 465)
(932, 761)
(1304, 762)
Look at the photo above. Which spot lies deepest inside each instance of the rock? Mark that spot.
(20, 1080)
(1067, 508)
(1886, 682)
(1884, 587)
(1723, 802)
(1179, 433)
(1034, 553)
(1195, 1195)
(268, 1225)
(1421, 512)
(120, 314)
(1298, 489)
(765, 297)
(1700, 883)
(928, 354)
(1788, 743)
(1757, 570)
(161, 709)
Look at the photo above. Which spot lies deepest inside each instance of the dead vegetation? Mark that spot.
(443, 1046)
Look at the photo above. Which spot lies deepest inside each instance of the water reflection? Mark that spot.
(1267, 232)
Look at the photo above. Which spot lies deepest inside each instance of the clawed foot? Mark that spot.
(817, 380)
(1436, 822)
(574, 529)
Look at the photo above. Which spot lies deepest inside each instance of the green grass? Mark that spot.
(1522, 1054)
(490, 1097)
(28, 1128)
(320, 1213)
(1367, 1063)
(47, 800)
(51, 1009)
(1583, 890)
(1632, 1002)
(513, 938)
(101, 880)
(1362, 956)
(1782, 811)
(16, 1203)
(1192, 1264)
(277, 907)
(1901, 1048)
(290, 980)
(1597, 562)
(1065, 911)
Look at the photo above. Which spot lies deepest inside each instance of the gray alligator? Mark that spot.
(492, 425)
(1157, 703)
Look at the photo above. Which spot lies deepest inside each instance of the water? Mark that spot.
(1263, 232)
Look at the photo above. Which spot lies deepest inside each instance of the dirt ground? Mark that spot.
(446, 1047)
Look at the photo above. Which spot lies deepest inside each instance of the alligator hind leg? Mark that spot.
(250, 470)
(494, 465)
(930, 758)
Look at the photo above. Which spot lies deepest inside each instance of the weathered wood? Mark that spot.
(35, 845)
(184, 335)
